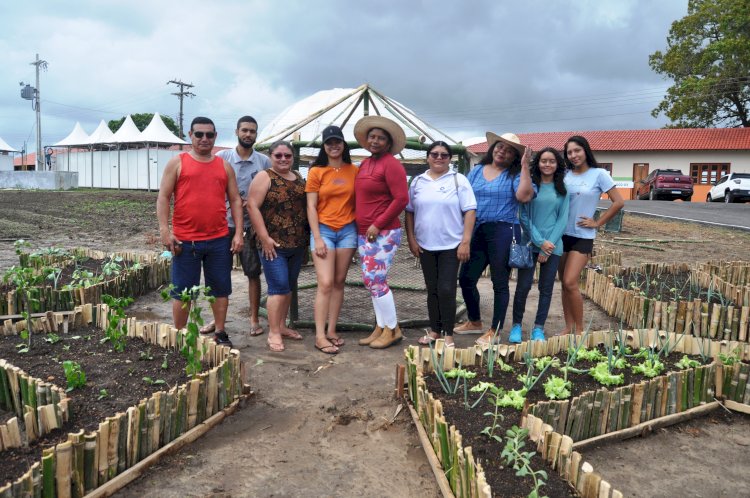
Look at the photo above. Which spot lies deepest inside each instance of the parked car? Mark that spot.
(731, 188)
(668, 184)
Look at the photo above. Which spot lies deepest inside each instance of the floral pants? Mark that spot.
(377, 258)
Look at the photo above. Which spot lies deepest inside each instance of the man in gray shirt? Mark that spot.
(246, 163)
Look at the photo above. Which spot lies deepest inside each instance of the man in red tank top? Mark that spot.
(200, 183)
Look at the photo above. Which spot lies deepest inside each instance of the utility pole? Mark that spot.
(33, 94)
(181, 95)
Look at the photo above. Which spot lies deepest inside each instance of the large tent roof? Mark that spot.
(76, 137)
(128, 133)
(306, 119)
(4, 147)
(157, 132)
(102, 134)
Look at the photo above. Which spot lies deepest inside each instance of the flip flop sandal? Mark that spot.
(336, 341)
(485, 341)
(332, 349)
(275, 347)
(426, 340)
(256, 330)
(292, 334)
(208, 329)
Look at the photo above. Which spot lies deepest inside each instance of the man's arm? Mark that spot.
(166, 189)
(235, 205)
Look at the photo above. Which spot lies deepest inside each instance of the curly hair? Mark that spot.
(559, 176)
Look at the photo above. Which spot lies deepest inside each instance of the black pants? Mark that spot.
(440, 269)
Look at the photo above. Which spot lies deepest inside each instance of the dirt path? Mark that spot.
(317, 426)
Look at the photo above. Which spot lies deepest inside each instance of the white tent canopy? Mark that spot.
(311, 115)
(128, 133)
(157, 132)
(102, 134)
(76, 137)
(4, 147)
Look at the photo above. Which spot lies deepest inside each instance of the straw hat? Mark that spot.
(506, 138)
(367, 123)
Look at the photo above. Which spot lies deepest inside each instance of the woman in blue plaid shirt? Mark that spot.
(501, 182)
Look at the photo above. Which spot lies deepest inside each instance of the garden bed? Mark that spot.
(60, 280)
(676, 298)
(557, 427)
(130, 407)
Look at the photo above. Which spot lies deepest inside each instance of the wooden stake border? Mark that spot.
(134, 439)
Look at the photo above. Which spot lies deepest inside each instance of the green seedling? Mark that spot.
(165, 363)
(649, 368)
(146, 355)
(602, 374)
(116, 331)
(513, 454)
(74, 375)
(557, 388)
(686, 362)
(191, 300)
(25, 279)
(496, 393)
(102, 394)
(152, 382)
(52, 338)
(731, 358)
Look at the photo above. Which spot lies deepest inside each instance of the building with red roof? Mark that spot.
(705, 154)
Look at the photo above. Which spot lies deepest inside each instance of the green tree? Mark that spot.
(142, 120)
(708, 57)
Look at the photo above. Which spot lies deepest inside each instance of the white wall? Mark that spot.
(137, 169)
(622, 162)
(6, 162)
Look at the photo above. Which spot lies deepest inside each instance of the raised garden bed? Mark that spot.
(130, 410)
(473, 463)
(676, 298)
(64, 279)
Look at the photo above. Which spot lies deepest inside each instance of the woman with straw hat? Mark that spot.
(501, 182)
(380, 196)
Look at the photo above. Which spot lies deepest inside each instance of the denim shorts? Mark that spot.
(281, 273)
(344, 238)
(213, 256)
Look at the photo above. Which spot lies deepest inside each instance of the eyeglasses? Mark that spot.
(439, 155)
(280, 155)
(208, 134)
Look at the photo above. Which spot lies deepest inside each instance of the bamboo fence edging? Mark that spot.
(88, 461)
(432, 458)
(593, 416)
(154, 272)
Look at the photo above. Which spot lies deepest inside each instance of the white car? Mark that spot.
(734, 187)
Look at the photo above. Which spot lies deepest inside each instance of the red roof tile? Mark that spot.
(623, 140)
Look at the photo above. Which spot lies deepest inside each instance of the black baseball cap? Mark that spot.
(332, 132)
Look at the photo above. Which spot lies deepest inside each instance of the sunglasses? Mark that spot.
(208, 134)
(280, 155)
(439, 155)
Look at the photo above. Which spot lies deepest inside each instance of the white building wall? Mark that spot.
(6, 162)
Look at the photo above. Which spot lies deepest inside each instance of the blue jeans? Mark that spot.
(490, 245)
(214, 256)
(281, 272)
(547, 274)
(343, 238)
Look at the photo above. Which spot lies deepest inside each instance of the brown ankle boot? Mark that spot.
(369, 339)
(387, 338)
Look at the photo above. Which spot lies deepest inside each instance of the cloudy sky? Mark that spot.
(464, 66)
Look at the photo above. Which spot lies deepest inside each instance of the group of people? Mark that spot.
(456, 225)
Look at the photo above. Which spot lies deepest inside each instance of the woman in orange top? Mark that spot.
(333, 237)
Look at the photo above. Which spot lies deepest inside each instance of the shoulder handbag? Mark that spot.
(520, 255)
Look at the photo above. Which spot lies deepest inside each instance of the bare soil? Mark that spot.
(317, 425)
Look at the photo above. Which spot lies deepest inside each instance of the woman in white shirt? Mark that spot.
(439, 222)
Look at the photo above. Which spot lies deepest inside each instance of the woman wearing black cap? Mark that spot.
(333, 237)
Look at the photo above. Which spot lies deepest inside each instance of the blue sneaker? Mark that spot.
(515, 334)
(537, 334)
